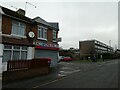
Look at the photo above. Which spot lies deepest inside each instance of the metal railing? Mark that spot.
(37, 63)
(18, 65)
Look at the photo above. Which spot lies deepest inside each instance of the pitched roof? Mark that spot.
(42, 21)
(54, 24)
(49, 24)
(14, 14)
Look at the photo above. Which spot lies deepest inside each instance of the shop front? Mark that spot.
(15, 52)
(45, 50)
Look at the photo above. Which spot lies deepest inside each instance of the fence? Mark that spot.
(20, 69)
(27, 64)
(18, 65)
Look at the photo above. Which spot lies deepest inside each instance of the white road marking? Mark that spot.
(61, 78)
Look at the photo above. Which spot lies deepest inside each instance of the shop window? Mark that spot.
(8, 47)
(6, 55)
(18, 28)
(42, 33)
(14, 53)
(54, 35)
(16, 47)
(24, 48)
(24, 55)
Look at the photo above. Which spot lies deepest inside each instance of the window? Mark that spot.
(96, 46)
(96, 42)
(14, 52)
(18, 28)
(42, 33)
(54, 35)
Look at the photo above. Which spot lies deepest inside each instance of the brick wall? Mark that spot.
(7, 29)
(6, 25)
(86, 48)
(49, 36)
(37, 67)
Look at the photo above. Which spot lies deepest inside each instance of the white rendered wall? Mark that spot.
(30, 54)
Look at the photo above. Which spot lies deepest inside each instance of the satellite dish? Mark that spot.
(31, 34)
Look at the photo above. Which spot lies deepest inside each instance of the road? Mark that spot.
(0, 81)
(104, 76)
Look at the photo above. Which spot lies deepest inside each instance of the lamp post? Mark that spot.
(110, 43)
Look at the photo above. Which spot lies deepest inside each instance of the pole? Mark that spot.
(29, 4)
(110, 43)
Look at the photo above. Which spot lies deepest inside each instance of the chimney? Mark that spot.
(21, 11)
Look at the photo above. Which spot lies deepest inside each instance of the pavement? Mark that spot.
(64, 69)
(61, 71)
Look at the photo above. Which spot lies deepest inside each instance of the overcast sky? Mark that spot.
(78, 20)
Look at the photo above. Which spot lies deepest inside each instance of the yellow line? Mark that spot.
(50, 82)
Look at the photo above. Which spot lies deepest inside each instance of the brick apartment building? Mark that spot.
(90, 48)
(22, 36)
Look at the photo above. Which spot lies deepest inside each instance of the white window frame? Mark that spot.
(12, 51)
(42, 33)
(19, 26)
(54, 34)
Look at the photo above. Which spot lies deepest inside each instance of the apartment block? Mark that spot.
(90, 48)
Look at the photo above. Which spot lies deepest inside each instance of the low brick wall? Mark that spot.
(37, 67)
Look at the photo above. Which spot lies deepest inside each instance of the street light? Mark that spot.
(110, 43)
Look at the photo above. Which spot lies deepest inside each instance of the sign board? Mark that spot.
(46, 45)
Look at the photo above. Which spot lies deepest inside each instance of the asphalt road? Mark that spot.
(105, 76)
(0, 84)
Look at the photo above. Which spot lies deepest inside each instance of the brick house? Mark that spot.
(46, 40)
(17, 41)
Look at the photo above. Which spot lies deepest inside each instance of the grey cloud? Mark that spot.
(79, 20)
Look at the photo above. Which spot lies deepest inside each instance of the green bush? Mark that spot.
(107, 56)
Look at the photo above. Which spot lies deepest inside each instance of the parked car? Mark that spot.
(67, 59)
